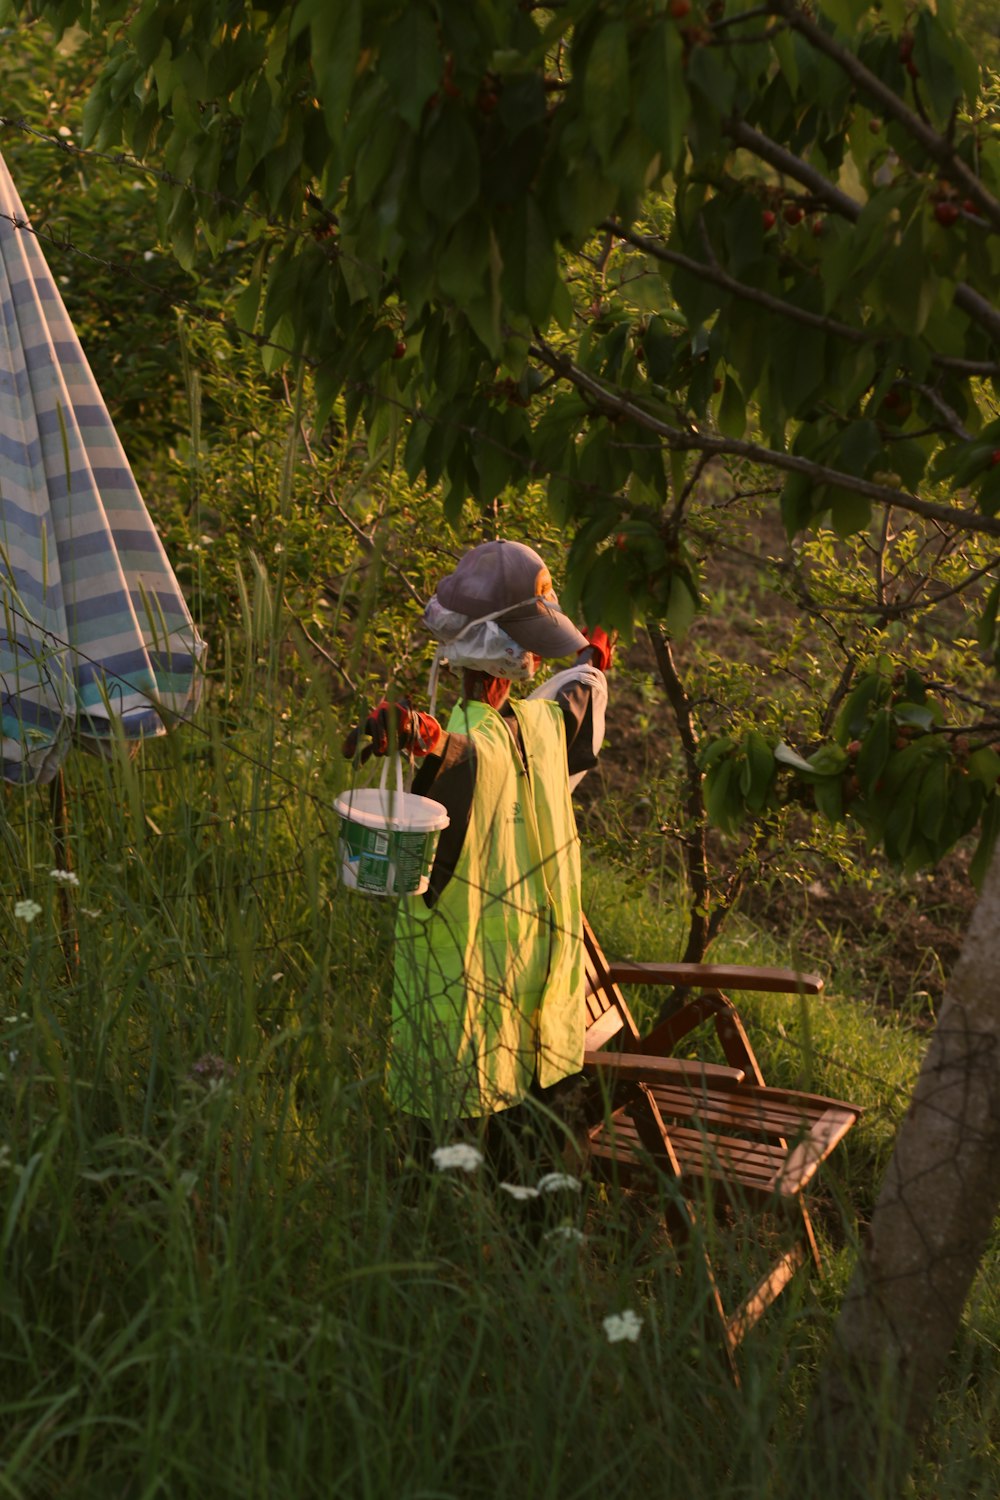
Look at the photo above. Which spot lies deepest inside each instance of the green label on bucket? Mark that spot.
(386, 862)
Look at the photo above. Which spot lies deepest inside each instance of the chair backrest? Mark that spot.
(607, 1013)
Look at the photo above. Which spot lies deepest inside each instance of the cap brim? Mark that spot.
(548, 633)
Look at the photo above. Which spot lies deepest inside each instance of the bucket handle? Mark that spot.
(397, 761)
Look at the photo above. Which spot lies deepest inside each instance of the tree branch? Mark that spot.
(695, 841)
(968, 300)
(938, 147)
(728, 283)
(783, 160)
(690, 440)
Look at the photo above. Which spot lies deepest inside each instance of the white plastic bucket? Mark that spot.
(388, 838)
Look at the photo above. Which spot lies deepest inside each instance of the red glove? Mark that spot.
(602, 646)
(416, 733)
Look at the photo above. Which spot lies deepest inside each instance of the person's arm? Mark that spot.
(582, 693)
(448, 777)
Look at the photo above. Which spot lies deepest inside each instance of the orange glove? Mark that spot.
(416, 733)
(602, 646)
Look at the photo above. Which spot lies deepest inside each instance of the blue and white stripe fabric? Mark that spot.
(94, 628)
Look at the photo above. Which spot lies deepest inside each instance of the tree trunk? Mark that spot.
(930, 1227)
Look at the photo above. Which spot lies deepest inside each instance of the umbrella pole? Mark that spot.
(63, 860)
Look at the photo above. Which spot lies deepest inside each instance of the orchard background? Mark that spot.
(699, 300)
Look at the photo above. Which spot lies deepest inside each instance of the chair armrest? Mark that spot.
(805, 1159)
(717, 977)
(640, 1067)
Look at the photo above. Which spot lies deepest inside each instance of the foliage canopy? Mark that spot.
(610, 244)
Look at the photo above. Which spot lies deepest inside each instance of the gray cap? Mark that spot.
(510, 578)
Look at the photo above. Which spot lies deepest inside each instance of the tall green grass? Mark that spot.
(227, 1269)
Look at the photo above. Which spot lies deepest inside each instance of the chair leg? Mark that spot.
(767, 1291)
(683, 1220)
(810, 1238)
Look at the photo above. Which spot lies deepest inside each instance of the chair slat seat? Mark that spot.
(717, 1131)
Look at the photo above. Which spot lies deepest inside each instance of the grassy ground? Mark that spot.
(228, 1270)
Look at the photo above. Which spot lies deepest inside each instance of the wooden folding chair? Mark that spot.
(716, 1130)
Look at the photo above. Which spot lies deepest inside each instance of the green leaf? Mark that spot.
(606, 85)
(335, 26)
(682, 605)
(846, 13)
(907, 281)
(914, 713)
(449, 166)
(758, 773)
(853, 717)
(662, 101)
(722, 795)
(411, 60)
(732, 418)
(529, 270)
(783, 43)
(463, 266)
(938, 77)
(983, 857)
(987, 627)
(828, 760)
(932, 800)
(828, 794)
(874, 752)
(714, 750)
(983, 766)
(860, 445)
(849, 512)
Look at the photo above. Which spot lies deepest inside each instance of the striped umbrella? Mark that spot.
(94, 628)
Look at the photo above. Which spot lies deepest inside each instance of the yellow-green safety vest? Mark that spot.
(488, 988)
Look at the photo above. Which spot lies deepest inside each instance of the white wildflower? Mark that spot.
(552, 1182)
(65, 132)
(518, 1191)
(278, 549)
(279, 975)
(460, 1158)
(5, 1159)
(148, 255)
(567, 1233)
(26, 911)
(64, 877)
(12, 1056)
(620, 1326)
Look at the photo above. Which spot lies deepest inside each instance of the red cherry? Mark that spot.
(969, 207)
(768, 219)
(874, 125)
(912, 68)
(794, 214)
(680, 8)
(892, 399)
(399, 350)
(818, 227)
(946, 212)
(995, 458)
(621, 541)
